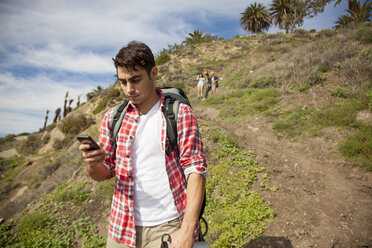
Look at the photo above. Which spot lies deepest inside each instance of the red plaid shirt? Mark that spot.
(178, 167)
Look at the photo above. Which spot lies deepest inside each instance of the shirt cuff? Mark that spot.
(196, 169)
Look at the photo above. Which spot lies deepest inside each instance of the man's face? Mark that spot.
(137, 84)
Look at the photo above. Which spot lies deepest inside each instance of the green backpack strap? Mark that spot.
(115, 123)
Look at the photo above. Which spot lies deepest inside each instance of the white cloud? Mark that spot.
(59, 57)
(15, 123)
(23, 102)
(38, 93)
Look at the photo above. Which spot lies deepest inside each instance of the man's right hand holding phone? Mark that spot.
(94, 160)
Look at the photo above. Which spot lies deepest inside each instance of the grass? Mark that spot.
(60, 221)
(75, 193)
(10, 167)
(358, 146)
(234, 211)
(241, 103)
(40, 229)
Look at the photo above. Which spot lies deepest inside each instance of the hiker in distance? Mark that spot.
(158, 189)
(201, 81)
(209, 84)
(214, 80)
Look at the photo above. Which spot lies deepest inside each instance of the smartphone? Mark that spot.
(93, 143)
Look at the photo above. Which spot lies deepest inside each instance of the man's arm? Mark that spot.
(184, 237)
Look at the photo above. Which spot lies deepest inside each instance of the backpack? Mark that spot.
(173, 97)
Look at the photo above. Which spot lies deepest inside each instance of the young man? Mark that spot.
(154, 193)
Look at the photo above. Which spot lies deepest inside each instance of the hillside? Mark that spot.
(288, 140)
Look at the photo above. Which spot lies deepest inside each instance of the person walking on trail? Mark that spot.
(209, 87)
(214, 80)
(155, 193)
(201, 81)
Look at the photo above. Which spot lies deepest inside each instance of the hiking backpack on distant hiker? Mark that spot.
(172, 98)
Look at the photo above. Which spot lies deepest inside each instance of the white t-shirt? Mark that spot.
(153, 199)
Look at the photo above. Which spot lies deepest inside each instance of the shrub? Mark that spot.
(111, 93)
(75, 123)
(342, 92)
(301, 33)
(94, 93)
(75, 193)
(8, 138)
(9, 167)
(363, 34)
(357, 71)
(162, 58)
(30, 145)
(5, 233)
(51, 126)
(100, 106)
(57, 144)
(325, 33)
(264, 82)
(369, 95)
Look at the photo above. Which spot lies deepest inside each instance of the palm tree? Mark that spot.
(195, 37)
(57, 115)
(350, 3)
(281, 14)
(343, 21)
(255, 18)
(361, 13)
(46, 120)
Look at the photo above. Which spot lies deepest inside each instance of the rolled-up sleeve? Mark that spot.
(107, 145)
(190, 144)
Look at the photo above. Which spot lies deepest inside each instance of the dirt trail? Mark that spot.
(321, 202)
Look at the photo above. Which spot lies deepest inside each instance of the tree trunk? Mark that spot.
(46, 120)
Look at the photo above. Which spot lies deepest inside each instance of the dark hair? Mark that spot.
(135, 54)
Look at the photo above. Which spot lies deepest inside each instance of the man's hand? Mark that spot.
(94, 160)
(182, 239)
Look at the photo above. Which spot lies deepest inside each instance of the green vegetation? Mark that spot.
(75, 193)
(107, 96)
(358, 146)
(105, 189)
(308, 123)
(10, 167)
(54, 224)
(31, 145)
(240, 103)
(363, 34)
(7, 142)
(41, 229)
(235, 213)
(74, 124)
(162, 58)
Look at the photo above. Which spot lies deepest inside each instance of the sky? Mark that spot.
(49, 47)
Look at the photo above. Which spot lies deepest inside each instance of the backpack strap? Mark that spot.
(116, 121)
(171, 113)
